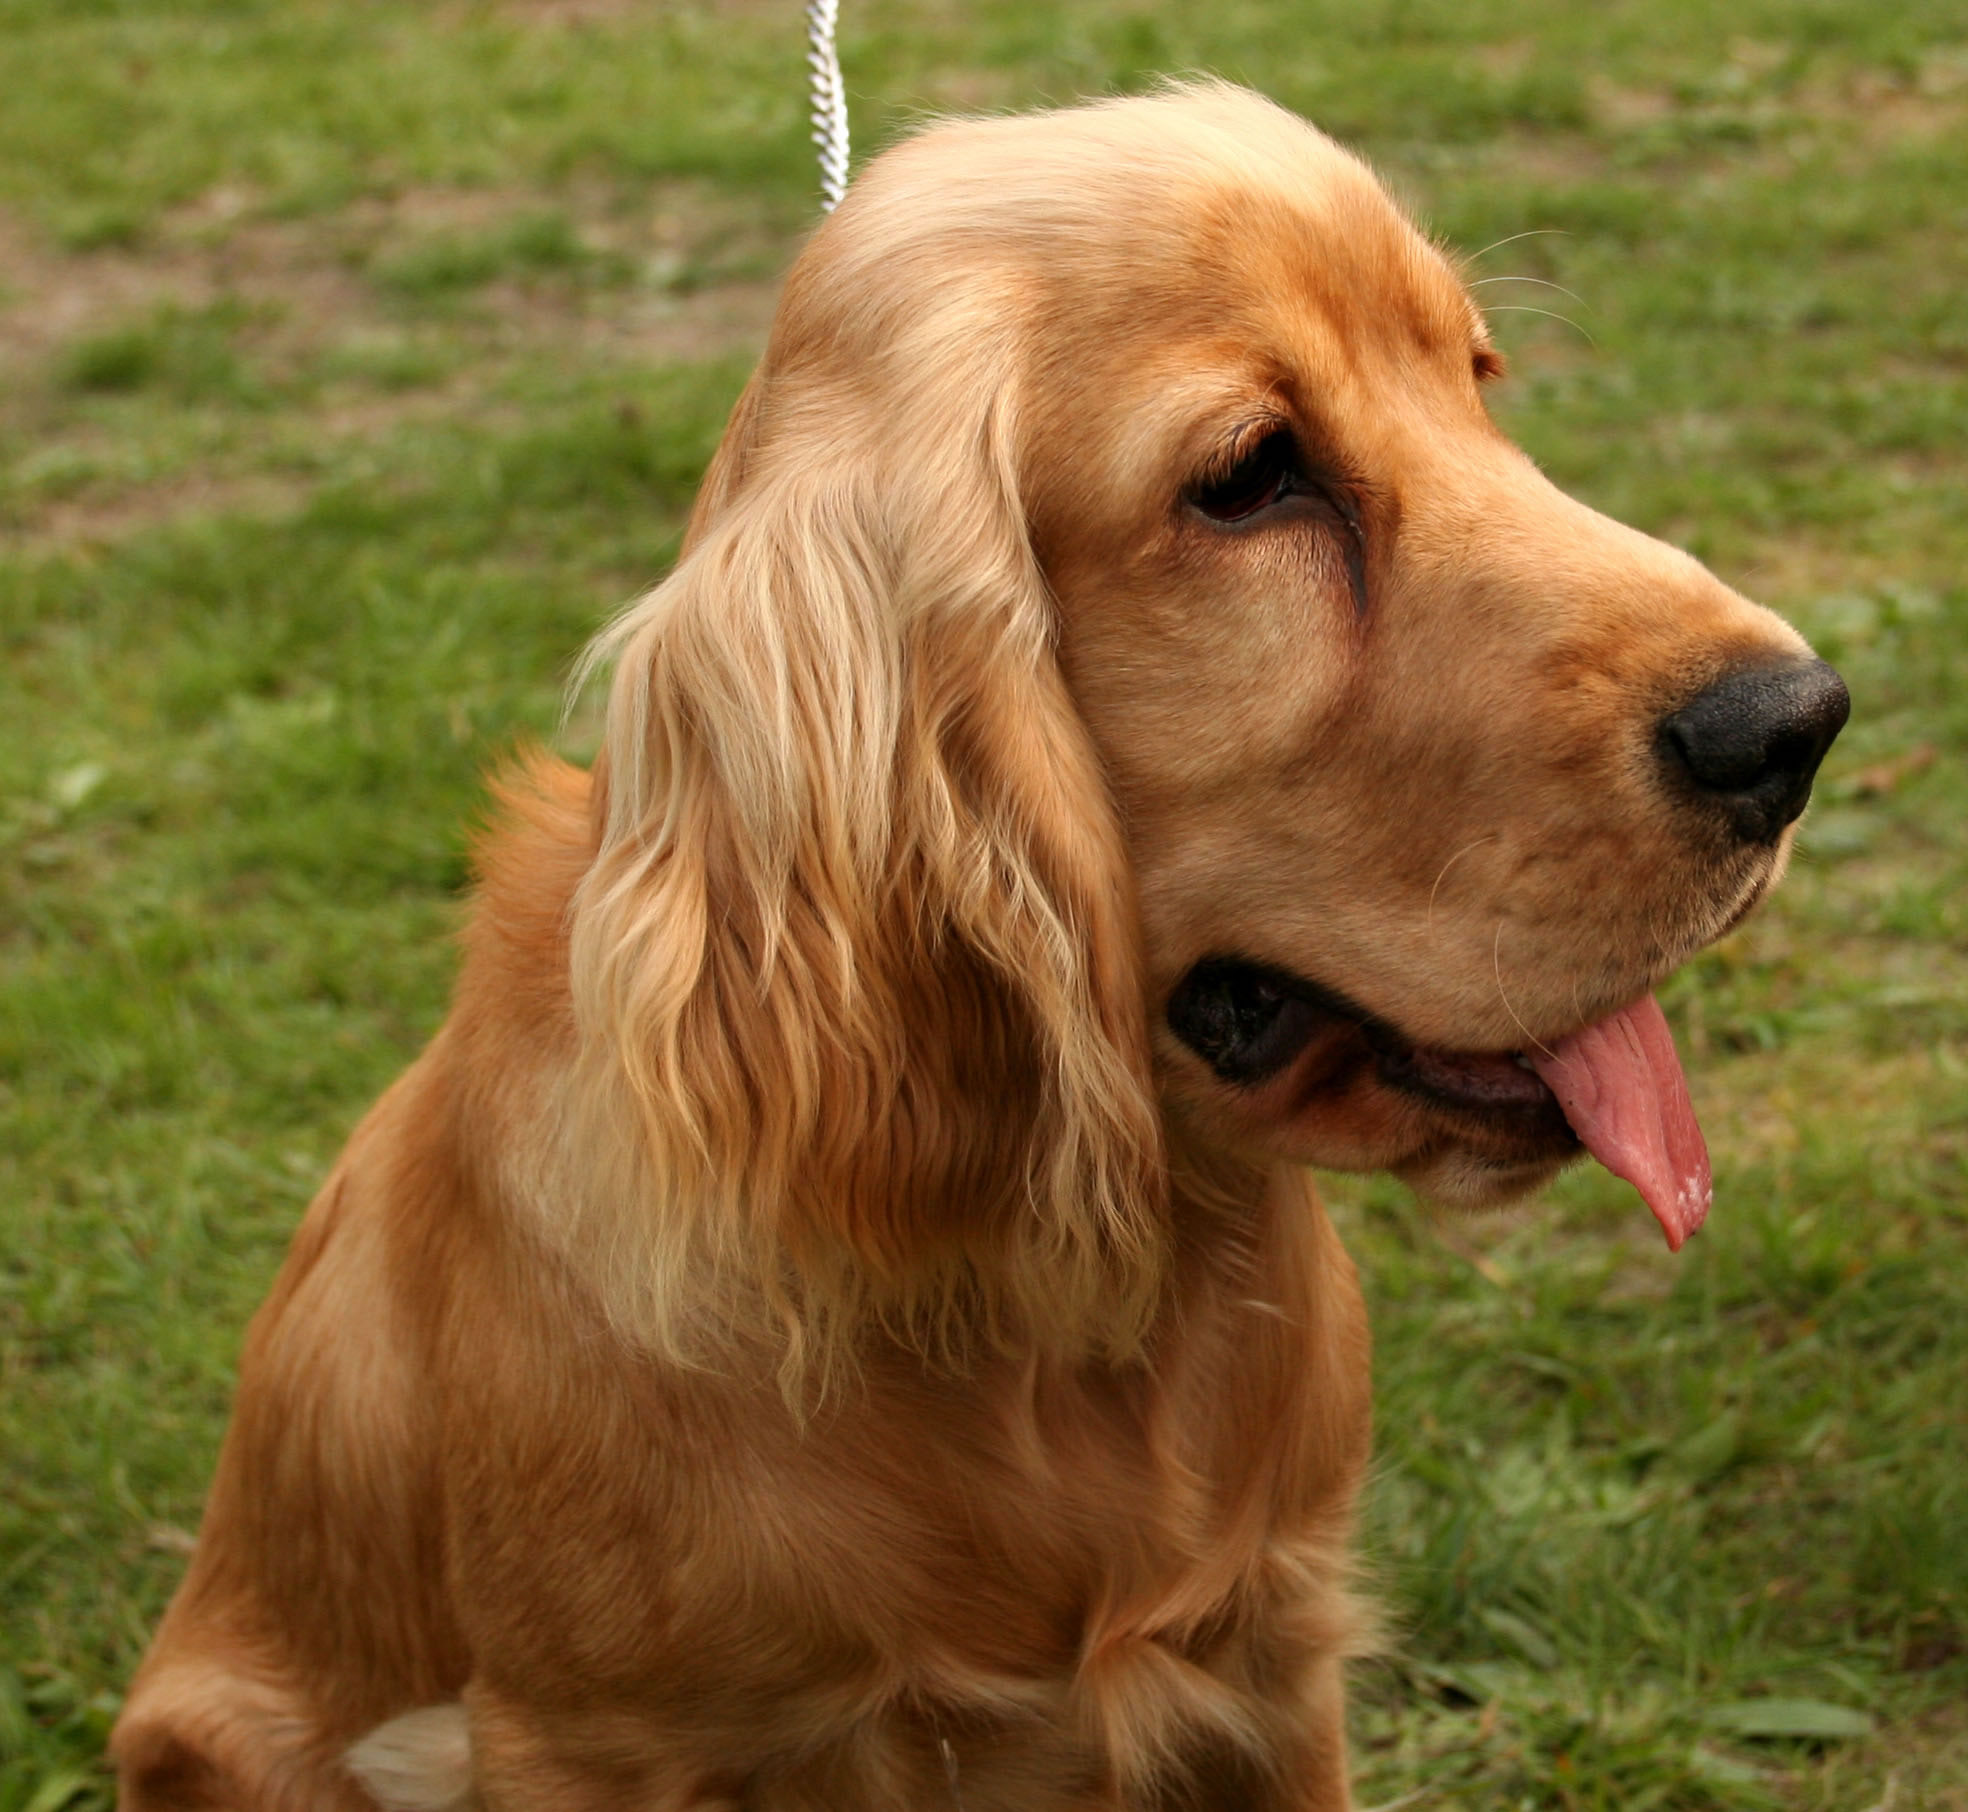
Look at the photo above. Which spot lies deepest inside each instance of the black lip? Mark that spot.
(1497, 1090)
(1249, 1020)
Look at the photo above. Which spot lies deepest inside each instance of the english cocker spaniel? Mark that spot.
(835, 1320)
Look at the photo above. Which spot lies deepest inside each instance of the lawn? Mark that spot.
(356, 360)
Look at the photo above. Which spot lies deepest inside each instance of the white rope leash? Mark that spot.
(829, 100)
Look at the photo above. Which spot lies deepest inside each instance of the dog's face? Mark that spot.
(1120, 679)
(1384, 712)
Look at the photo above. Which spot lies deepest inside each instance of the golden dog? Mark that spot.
(834, 1321)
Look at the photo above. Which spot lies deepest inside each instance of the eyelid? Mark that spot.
(1239, 445)
(1309, 476)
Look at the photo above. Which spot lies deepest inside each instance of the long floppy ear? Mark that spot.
(858, 951)
(735, 449)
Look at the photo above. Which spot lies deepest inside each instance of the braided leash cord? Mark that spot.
(829, 100)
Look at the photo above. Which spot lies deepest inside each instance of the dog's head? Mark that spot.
(1120, 680)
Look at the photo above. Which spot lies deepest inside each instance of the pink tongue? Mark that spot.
(1622, 1089)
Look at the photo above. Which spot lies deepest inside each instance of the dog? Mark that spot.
(837, 1318)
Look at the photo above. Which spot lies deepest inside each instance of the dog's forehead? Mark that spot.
(1286, 276)
(1311, 275)
(1185, 218)
(1131, 277)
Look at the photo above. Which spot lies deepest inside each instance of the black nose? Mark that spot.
(1753, 740)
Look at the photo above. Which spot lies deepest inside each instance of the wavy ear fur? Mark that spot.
(858, 951)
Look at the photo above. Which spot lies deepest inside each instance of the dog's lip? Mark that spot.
(1492, 1085)
(1496, 1087)
(1487, 1082)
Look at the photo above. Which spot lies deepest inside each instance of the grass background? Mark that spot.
(356, 360)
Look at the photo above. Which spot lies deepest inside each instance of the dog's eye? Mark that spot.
(1258, 479)
(1272, 474)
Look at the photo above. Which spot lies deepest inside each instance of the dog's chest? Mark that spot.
(981, 1589)
(1023, 1577)
(997, 1602)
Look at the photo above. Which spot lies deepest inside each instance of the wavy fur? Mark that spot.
(860, 905)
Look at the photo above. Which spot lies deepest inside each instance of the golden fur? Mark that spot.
(806, 1335)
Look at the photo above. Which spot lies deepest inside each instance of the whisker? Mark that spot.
(1541, 282)
(1524, 308)
(1446, 866)
(1496, 963)
(1531, 233)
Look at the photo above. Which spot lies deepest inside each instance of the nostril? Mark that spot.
(1752, 741)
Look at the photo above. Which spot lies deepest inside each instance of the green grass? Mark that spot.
(355, 360)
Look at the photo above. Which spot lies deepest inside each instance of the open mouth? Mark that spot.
(1615, 1087)
(1248, 1021)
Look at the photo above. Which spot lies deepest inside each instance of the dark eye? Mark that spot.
(1259, 477)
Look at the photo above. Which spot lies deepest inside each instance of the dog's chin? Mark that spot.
(1454, 1177)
